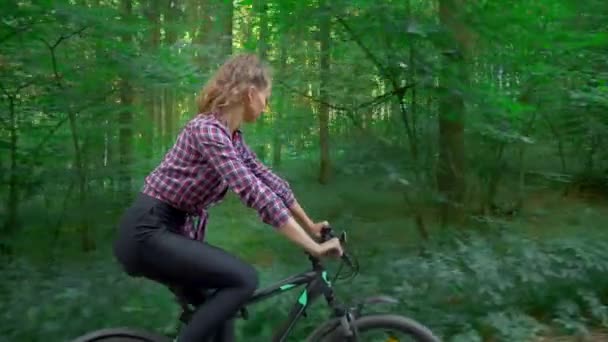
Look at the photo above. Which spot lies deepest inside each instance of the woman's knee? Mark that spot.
(248, 278)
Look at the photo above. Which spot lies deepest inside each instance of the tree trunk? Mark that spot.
(277, 135)
(13, 197)
(416, 203)
(450, 172)
(86, 243)
(10, 225)
(201, 17)
(170, 117)
(151, 100)
(125, 134)
(324, 66)
(226, 27)
(261, 8)
(215, 30)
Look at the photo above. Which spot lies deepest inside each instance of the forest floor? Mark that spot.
(594, 336)
(54, 285)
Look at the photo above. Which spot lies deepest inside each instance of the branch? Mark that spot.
(376, 100)
(380, 98)
(13, 96)
(16, 31)
(62, 121)
(367, 51)
(312, 98)
(18, 89)
(399, 91)
(70, 35)
(62, 38)
(52, 50)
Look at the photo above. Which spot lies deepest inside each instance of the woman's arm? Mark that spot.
(295, 233)
(298, 212)
(292, 230)
(277, 184)
(216, 146)
(280, 187)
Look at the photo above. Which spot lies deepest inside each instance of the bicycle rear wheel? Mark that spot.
(121, 335)
(393, 328)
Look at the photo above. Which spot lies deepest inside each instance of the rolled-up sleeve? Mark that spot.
(279, 185)
(215, 145)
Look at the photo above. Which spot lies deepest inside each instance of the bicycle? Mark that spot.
(346, 323)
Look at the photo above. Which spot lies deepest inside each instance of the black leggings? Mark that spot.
(147, 245)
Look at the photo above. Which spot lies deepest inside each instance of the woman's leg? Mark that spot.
(225, 333)
(172, 258)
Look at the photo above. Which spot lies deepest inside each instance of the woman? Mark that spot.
(161, 235)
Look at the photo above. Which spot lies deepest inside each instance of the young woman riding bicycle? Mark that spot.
(161, 235)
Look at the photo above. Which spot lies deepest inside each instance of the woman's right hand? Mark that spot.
(331, 247)
(292, 230)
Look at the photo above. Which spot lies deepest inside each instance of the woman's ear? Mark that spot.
(248, 95)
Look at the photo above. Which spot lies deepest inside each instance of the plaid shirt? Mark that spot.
(203, 164)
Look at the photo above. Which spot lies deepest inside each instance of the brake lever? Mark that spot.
(343, 237)
(327, 233)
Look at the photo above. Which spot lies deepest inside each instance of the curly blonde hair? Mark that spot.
(230, 81)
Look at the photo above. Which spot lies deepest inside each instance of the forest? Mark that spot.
(461, 145)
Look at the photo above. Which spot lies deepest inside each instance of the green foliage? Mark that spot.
(508, 287)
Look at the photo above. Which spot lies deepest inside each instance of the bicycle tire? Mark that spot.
(121, 335)
(332, 331)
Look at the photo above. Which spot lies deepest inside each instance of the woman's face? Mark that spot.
(257, 102)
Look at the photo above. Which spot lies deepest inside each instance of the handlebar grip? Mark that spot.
(328, 233)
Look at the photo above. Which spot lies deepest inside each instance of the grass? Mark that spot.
(544, 272)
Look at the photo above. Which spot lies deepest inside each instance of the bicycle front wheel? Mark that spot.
(121, 335)
(379, 327)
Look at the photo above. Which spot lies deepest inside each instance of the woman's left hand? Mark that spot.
(315, 228)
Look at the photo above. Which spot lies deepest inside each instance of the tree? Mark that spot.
(324, 74)
(454, 79)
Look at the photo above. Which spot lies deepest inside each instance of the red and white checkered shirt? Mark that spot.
(206, 161)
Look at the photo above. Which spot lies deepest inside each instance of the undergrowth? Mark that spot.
(544, 273)
(508, 288)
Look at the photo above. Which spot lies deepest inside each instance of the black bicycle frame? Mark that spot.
(316, 284)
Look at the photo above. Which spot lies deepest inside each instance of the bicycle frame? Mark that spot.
(316, 284)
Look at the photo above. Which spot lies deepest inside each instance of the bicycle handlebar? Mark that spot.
(327, 233)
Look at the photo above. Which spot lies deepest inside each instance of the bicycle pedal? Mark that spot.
(185, 316)
(244, 313)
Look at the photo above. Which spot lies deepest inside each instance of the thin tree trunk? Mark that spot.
(261, 8)
(416, 203)
(324, 68)
(227, 28)
(10, 225)
(278, 131)
(450, 172)
(522, 164)
(125, 135)
(151, 101)
(170, 116)
(86, 243)
(13, 196)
